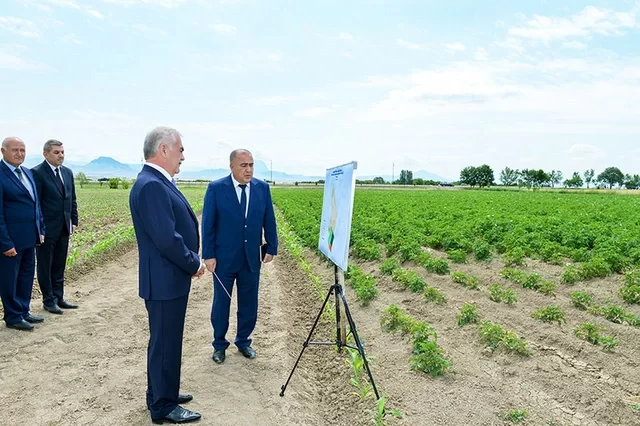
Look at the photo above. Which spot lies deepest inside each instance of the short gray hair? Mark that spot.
(5, 141)
(156, 137)
(48, 145)
(238, 151)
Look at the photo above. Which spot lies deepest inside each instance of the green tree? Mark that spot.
(575, 181)
(378, 180)
(555, 177)
(632, 182)
(535, 178)
(509, 177)
(469, 176)
(611, 176)
(82, 179)
(406, 177)
(588, 176)
(485, 176)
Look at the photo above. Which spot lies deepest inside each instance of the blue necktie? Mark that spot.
(243, 200)
(23, 181)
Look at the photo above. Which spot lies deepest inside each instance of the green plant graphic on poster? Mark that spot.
(337, 210)
(333, 220)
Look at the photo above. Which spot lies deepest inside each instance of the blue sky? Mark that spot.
(311, 84)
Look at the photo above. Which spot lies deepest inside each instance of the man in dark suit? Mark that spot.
(57, 194)
(237, 210)
(168, 242)
(21, 229)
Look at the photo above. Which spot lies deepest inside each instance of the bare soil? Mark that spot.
(87, 367)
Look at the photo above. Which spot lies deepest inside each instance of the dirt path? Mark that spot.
(87, 367)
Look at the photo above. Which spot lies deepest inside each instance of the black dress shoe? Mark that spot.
(22, 325)
(178, 415)
(33, 319)
(67, 305)
(55, 309)
(219, 356)
(248, 352)
(183, 398)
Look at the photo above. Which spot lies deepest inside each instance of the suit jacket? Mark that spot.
(21, 221)
(167, 232)
(225, 234)
(59, 212)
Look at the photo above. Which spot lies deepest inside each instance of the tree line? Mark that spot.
(482, 176)
(405, 178)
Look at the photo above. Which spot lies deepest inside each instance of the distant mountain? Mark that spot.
(109, 167)
(208, 174)
(423, 174)
(106, 167)
(33, 160)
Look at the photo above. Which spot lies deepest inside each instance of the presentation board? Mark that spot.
(337, 212)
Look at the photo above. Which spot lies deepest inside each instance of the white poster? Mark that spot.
(337, 211)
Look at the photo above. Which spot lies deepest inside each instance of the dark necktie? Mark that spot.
(243, 199)
(59, 181)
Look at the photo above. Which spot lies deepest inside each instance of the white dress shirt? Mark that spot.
(25, 180)
(161, 170)
(53, 169)
(247, 190)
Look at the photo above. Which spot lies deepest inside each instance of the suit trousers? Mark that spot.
(52, 259)
(247, 284)
(164, 354)
(16, 284)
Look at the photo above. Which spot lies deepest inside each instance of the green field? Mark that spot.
(598, 231)
(105, 221)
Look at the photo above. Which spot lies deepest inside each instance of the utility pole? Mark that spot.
(393, 165)
(271, 171)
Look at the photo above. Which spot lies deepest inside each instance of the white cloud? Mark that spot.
(10, 61)
(224, 29)
(591, 20)
(314, 112)
(274, 100)
(71, 39)
(480, 54)
(409, 45)
(512, 44)
(94, 13)
(161, 3)
(583, 96)
(72, 4)
(19, 26)
(142, 28)
(168, 4)
(586, 153)
(345, 36)
(574, 45)
(240, 62)
(455, 47)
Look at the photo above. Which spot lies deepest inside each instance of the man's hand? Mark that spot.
(211, 264)
(201, 270)
(41, 239)
(73, 228)
(11, 252)
(267, 258)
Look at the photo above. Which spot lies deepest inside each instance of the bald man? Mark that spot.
(21, 229)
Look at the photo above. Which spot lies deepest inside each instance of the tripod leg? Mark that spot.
(352, 325)
(306, 343)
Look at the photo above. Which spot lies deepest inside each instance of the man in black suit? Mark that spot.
(57, 194)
